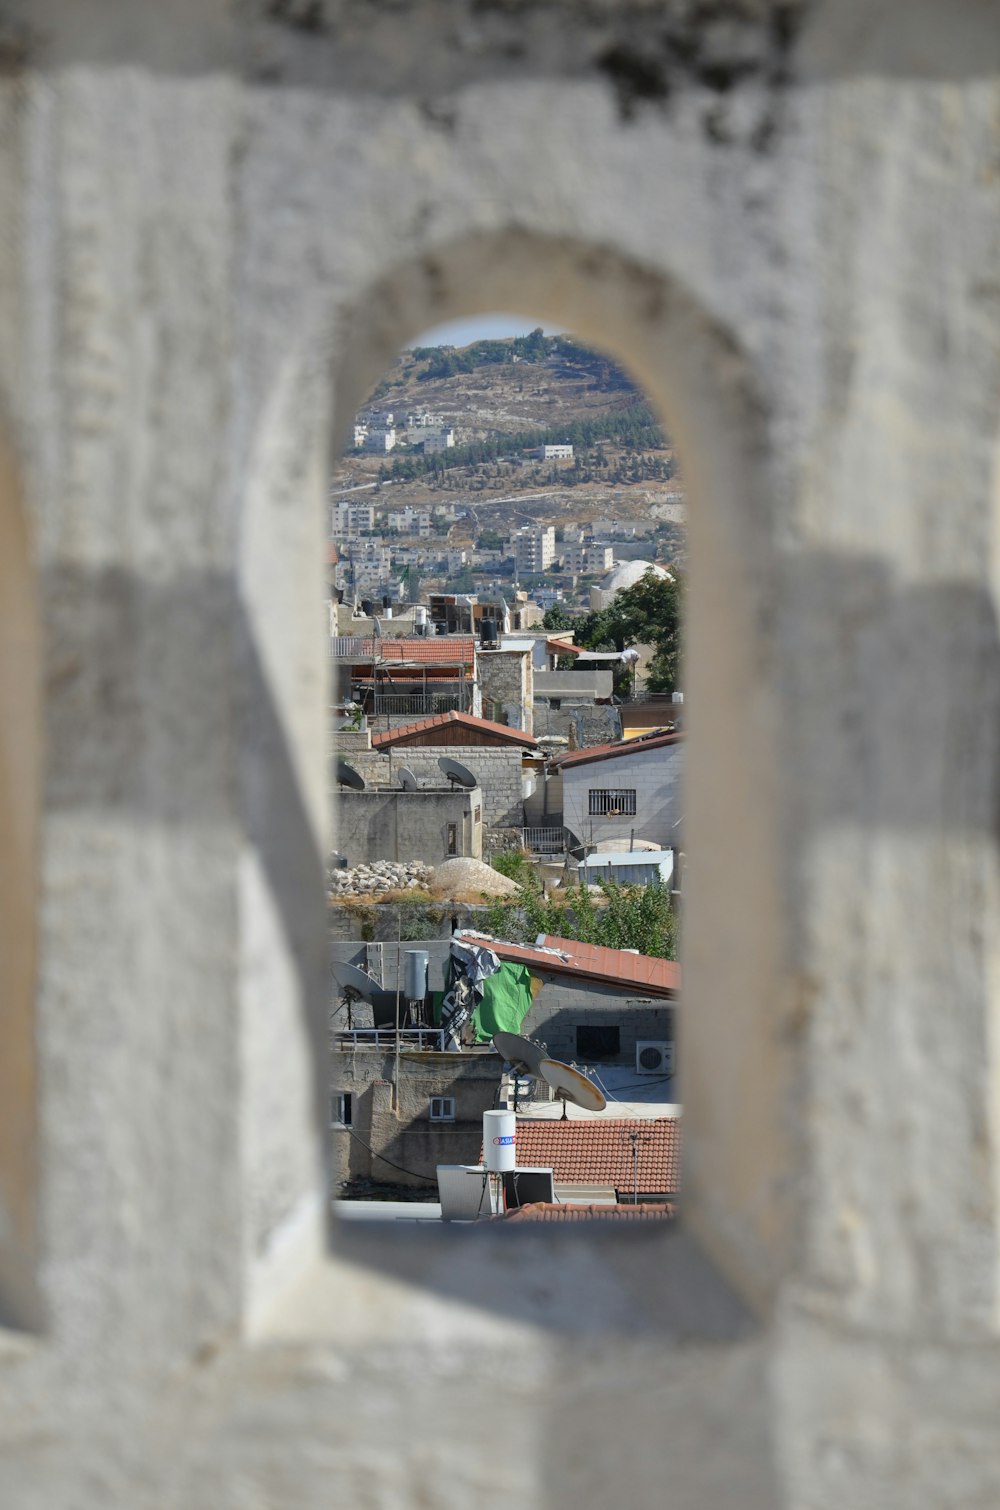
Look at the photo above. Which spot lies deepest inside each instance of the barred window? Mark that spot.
(612, 802)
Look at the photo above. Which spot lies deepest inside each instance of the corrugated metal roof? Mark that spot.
(559, 956)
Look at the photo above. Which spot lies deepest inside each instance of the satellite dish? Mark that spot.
(521, 1053)
(408, 780)
(348, 776)
(570, 1085)
(354, 983)
(457, 774)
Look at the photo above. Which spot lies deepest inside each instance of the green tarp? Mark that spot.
(506, 1000)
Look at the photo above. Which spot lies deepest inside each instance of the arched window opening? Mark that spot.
(506, 560)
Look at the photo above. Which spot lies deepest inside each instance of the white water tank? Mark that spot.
(499, 1134)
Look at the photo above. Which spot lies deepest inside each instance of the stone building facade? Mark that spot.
(400, 1130)
(222, 221)
(506, 684)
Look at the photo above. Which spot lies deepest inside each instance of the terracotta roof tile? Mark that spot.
(636, 746)
(642, 973)
(405, 732)
(578, 1211)
(599, 1151)
(438, 650)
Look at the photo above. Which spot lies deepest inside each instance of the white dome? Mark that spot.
(628, 573)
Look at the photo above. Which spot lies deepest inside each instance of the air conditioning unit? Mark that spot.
(654, 1057)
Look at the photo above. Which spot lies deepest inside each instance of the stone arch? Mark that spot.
(20, 790)
(737, 1072)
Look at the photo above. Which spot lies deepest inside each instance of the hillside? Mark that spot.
(504, 397)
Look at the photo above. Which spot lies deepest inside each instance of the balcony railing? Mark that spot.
(417, 704)
(544, 841)
(411, 1040)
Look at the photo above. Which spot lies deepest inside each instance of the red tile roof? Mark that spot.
(639, 973)
(557, 647)
(438, 650)
(498, 733)
(579, 1211)
(637, 746)
(598, 1151)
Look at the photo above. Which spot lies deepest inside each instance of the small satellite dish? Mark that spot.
(520, 1052)
(354, 983)
(457, 774)
(570, 1085)
(348, 776)
(408, 780)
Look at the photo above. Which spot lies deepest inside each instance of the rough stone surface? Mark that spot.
(221, 222)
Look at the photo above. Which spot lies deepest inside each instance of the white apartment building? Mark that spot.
(410, 521)
(348, 519)
(595, 556)
(533, 548)
(555, 453)
(380, 439)
(436, 440)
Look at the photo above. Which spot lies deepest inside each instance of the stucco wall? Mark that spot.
(221, 223)
(397, 825)
(403, 1132)
(654, 776)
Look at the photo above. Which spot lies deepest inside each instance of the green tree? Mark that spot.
(647, 613)
(628, 917)
(556, 617)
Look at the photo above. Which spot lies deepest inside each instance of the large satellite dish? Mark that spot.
(354, 981)
(408, 780)
(349, 777)
(570, 1085)
(520, 1053)
(456, 772)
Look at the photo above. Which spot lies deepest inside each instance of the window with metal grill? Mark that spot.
(612, 802)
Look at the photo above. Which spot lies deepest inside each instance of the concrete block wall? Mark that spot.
(403, 1133)
(559, 1009)
(397, 825)
(656, 778)
(498, 771)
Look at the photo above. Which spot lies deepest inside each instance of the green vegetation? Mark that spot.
(574, 359)
(629, 917)
(648, 613)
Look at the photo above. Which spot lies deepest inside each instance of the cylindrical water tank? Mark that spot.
(488, 631)
(677, 697)
(420, 617)
(499, 1134)
(415, 963)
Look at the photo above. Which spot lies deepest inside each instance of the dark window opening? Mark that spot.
(341, 1110)
(453, 838)
(598, 1042)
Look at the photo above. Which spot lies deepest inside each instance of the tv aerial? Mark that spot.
(457, 773)
(408, 780)
(349, 777)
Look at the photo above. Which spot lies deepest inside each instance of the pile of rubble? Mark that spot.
(380, 876)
